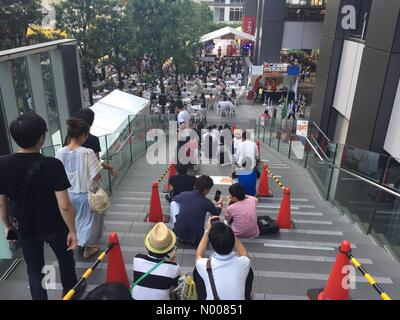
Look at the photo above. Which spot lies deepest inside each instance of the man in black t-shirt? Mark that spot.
(41, 211)
(181, 182)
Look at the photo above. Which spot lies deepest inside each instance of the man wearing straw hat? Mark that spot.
(156, 273)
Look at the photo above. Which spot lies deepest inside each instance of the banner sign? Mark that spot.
(302, 128)
(294, 70)
(271, 70)
(249, 24)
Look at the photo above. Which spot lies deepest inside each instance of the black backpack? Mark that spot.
(267, 225)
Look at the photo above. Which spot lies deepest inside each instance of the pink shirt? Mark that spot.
(244, 217)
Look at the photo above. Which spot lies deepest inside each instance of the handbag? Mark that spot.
(212, 281)
(267, 225)
(98, 198)
(186, 290)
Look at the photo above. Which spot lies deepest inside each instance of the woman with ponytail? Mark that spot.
(82, 167)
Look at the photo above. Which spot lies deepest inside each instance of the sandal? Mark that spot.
(90, 251)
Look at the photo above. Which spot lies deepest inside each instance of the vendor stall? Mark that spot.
(113, 115)
(227, 39)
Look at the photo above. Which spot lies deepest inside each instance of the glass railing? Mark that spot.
(50, 151)
(123, 149)
(363, 185)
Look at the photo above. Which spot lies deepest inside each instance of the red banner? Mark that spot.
(249, 24)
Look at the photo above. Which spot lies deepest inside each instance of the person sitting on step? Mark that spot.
(157, 273)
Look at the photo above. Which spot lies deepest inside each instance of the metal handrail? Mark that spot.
(380, 187)
(315, 150)
(122, 146)
(319, 129)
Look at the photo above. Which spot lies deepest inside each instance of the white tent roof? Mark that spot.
(239, 35)
(114, 110)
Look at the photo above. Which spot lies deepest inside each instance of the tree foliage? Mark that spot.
(15, 17)
(168, 28)
(81, 19)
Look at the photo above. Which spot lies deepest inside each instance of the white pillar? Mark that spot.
(38, 95)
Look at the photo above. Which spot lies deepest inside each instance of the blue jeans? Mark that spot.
(34, 257)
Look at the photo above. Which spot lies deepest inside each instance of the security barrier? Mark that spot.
(88, 273)
(369, 278)
(163, 175)
(334, 288)
(276, 180)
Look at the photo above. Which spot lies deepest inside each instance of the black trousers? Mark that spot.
(34, 257)
(201, 287)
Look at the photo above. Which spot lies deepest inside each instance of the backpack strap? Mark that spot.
(19, 211)
(212, 282)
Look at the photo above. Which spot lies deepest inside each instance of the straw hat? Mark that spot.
(160, 239)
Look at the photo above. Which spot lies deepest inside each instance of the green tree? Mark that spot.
(15, 18)
(112, 28)
(80, 20)
(168, 28)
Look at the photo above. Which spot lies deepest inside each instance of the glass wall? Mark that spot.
(22, 87)
(51, 99)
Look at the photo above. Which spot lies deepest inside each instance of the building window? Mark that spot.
(219, 1)
(219, 14)
(235, 14)
(236, 2)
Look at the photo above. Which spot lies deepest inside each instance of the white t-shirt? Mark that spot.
(183, 117)
(230, 273)
(247, 149)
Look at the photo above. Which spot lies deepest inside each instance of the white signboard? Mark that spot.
(302, 128)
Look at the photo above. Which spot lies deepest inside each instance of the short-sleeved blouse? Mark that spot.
(81, 166)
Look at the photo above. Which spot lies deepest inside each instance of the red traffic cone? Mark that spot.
(284, 217)
(258, 143)
(172, 172)
(155, 213)
(116, 272)
(263, 188)
(335, 288)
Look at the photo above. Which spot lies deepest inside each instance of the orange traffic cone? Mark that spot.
(284, 216)
(336, 288)
(258, 143)
(116, 272)
(263, 188)
(155, 213)
(172, 172)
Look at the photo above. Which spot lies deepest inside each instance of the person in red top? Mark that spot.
(273, 86)
(250, 97)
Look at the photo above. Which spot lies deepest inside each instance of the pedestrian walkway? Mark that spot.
(286, 265)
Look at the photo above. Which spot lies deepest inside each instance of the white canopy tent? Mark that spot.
(226, 38)
(113, 112)
(224, 32)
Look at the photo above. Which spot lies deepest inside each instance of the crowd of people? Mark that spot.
(60, 213)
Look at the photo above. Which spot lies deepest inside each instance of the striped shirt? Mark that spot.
(157, 285)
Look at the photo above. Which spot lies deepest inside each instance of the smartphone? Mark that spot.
(217, 196)
(12, 235)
